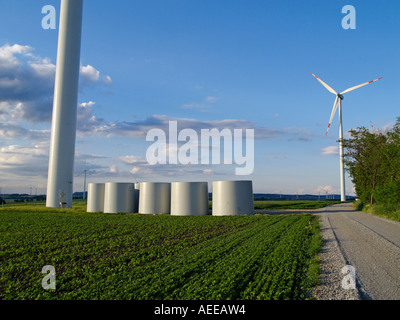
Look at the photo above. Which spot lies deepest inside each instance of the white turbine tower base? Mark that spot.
(338, 101)
(63, 131)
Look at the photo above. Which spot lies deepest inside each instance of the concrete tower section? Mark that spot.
(63, 130)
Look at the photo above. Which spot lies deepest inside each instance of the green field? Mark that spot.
(131, 256)
(258, 204)
(292, 204)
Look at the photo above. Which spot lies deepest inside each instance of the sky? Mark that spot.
(205, 64)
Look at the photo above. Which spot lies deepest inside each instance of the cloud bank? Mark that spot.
(27, 86)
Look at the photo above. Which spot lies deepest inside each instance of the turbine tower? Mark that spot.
(338, 101)
(63, 130)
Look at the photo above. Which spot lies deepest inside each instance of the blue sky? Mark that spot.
(223, 64)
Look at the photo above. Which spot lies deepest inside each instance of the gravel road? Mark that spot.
(370, 244)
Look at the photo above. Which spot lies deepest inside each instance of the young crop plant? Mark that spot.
(155, 257)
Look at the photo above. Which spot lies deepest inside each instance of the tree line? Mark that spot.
(372, 159)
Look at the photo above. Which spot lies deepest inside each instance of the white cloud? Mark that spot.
(132, 160)
(89, 73)
(386, 127)
(23, 166)
(12, 152)
(140, 168)
(43, 68)
(331, 150)
(8, 83)
(12, 130)
(27, 165)
(8, 60)
(32, 159)
(87, 122)
(328, 189)
(135, 170)
(27, 84)
(140, 128)
(87, 104)
(114, 169)
(107, 80)
(20, 161)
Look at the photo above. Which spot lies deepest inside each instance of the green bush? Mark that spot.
(358, 205)
(388, 193)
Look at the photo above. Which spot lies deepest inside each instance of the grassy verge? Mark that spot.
(314, 269)
(391, 212)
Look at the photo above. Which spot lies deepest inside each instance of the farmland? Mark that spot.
(292, 204)
(131, 256)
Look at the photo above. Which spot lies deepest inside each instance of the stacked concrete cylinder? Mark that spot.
(119, 197)
(232, 198)
(95, 197)
(155, 198)
(136, 192)
(189, 198)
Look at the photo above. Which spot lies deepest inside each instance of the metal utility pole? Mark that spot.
(84, 184)
(342, 183)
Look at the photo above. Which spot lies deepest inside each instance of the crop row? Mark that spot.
(99, 256)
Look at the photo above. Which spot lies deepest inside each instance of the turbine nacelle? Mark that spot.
(340, 96)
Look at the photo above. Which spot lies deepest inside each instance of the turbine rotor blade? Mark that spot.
(360, 85)
(333, 113)
(324, 84)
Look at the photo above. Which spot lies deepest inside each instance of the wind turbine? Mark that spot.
(373, 128)
(338, 101)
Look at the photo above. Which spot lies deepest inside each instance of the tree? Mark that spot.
(373, 161)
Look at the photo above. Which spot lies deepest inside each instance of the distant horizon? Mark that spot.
(76, 193)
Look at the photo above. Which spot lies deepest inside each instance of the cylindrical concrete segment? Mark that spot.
(155, 198)
(136, 193)
(95, 197)
(230, 198)
(119, 197)
(63, 128)
(189, 198)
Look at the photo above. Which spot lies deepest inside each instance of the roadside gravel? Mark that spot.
(332, 262)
